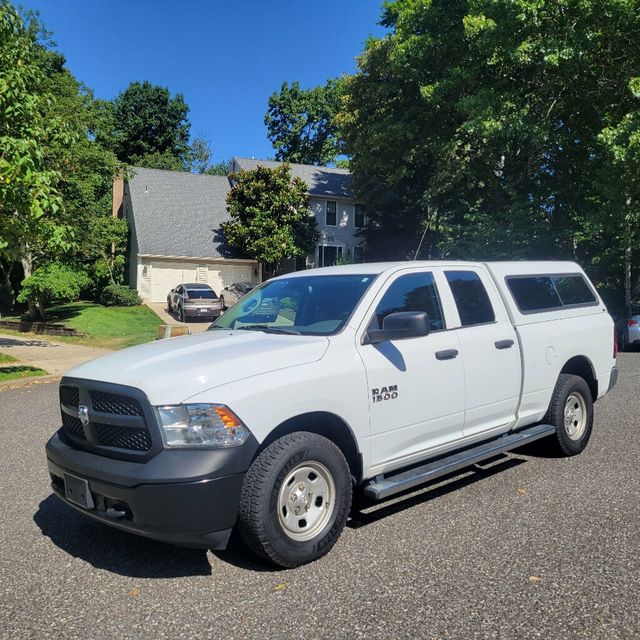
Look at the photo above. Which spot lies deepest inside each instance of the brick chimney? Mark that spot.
(117, 198)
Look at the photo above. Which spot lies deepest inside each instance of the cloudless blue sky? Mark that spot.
(226, 57)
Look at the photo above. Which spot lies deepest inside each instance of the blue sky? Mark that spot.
(225, 57)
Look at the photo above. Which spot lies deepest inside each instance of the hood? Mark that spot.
(170, 371)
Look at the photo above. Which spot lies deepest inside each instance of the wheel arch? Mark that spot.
(581, 366)
(325, 424)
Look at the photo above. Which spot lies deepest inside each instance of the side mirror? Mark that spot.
(400, 326)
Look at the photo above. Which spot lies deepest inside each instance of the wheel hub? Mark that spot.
(306, 501)
(575, 416)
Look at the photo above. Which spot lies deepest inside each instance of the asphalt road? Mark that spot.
(530, 547)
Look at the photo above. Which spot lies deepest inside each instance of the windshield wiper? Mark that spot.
(266, 329)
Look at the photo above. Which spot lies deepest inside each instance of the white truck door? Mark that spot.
(490, 352)
(416, 385)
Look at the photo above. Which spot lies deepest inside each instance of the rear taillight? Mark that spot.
(632, 323)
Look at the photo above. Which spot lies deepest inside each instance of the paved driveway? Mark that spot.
(530, 547)
(160, 309)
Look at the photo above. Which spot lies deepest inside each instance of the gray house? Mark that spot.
(339, 215)
(174, 219)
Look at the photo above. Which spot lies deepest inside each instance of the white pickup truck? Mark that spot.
(368, 378)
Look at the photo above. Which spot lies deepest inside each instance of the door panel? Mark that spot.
(416, 398)
(490, 350)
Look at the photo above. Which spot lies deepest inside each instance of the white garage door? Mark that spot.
(164, 276)
(221, 276)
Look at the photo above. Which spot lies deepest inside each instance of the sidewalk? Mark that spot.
(54, 357)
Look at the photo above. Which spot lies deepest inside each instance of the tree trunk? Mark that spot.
(27, 267)
(6, 276)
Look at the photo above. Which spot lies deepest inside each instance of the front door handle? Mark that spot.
(504, 344)
(447, 354)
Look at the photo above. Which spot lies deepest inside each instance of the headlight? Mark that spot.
(207, 425)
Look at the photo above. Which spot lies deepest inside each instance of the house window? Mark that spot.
(358, 254)
(359, 216)
(331, 215)
(328, 254)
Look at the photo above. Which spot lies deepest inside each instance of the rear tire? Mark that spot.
(571, 412)
(295, 499)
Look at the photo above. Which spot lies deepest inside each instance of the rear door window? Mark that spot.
(411, 292)
(471, 298)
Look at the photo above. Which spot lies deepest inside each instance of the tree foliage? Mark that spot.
(270, 217)
(301, 123)
(30, 201)
(146, 126)
(54, 282)
(493, 124)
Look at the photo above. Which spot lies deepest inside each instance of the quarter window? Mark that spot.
(331, 216)
(413, 292)
(543, 293)
(472, 300)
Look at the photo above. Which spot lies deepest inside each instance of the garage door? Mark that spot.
(164, 276)
(221, 276)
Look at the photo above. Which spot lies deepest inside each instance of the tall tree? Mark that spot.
(270, 217)
(31, 205)
(301, 123)
(480, 121)
(147, 126)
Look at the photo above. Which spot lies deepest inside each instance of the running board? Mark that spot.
(382, 487)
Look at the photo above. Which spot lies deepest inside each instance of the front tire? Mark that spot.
(571, 412)
(295, 499)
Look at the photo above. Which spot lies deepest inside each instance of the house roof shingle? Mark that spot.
(322, 181)
(177, 213)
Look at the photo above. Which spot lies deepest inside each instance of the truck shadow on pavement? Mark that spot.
(365, 512)
(117, 551)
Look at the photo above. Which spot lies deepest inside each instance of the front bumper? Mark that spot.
(184, 497)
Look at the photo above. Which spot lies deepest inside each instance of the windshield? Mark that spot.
(307, 305)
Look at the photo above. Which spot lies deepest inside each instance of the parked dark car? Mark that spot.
(231, 294)
(194, 300)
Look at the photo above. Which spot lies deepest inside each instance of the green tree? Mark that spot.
(146, 126)
(50, 283)
(31, 205)
(301, 123)
(270, 217)
(480, 122)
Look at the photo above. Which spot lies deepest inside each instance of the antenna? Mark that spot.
(424, 233)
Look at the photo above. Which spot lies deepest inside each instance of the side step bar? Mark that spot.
(382, 487)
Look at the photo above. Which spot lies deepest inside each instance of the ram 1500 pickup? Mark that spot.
(367, 378)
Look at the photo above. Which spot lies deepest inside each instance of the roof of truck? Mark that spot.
(499, 268)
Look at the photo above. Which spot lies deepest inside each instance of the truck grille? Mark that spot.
(122, 437)
(116, 421)
(112, 403)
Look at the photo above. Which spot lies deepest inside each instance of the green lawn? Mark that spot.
(4, 358)
(108, 327)
(20, 371)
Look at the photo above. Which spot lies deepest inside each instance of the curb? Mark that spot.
(28, 382)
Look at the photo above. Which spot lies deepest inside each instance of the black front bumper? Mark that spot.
(185, 497)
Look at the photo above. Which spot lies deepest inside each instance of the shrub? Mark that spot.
(55, 282)
(117, 295)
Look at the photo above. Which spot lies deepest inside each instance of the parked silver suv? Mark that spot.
(193, 300)
(231, 294)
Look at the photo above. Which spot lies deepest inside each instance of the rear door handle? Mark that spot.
(447, 354)
(504, 344)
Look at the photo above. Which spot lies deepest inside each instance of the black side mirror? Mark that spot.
(400, 326)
